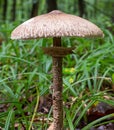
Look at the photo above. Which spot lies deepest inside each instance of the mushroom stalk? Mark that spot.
(57, 89)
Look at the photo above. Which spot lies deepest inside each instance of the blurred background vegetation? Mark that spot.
(25, 71)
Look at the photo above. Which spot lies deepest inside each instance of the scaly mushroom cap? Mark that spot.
(56, 24)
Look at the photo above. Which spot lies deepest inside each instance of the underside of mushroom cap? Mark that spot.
(56, 24)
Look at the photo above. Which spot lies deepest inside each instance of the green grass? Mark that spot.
(25, 75)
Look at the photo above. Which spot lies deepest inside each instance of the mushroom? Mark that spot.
(56, 24)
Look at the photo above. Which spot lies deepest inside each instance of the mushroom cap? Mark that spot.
(56, 24)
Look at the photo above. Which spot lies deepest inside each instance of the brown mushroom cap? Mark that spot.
(56, 24)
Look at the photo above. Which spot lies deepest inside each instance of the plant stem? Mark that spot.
(57, 89)
(35, 110)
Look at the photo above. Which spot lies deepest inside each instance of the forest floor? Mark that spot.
(97, 111)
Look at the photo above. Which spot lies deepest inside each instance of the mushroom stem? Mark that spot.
(57, 89)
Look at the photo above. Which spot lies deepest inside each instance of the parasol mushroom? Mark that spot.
(56, 24)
